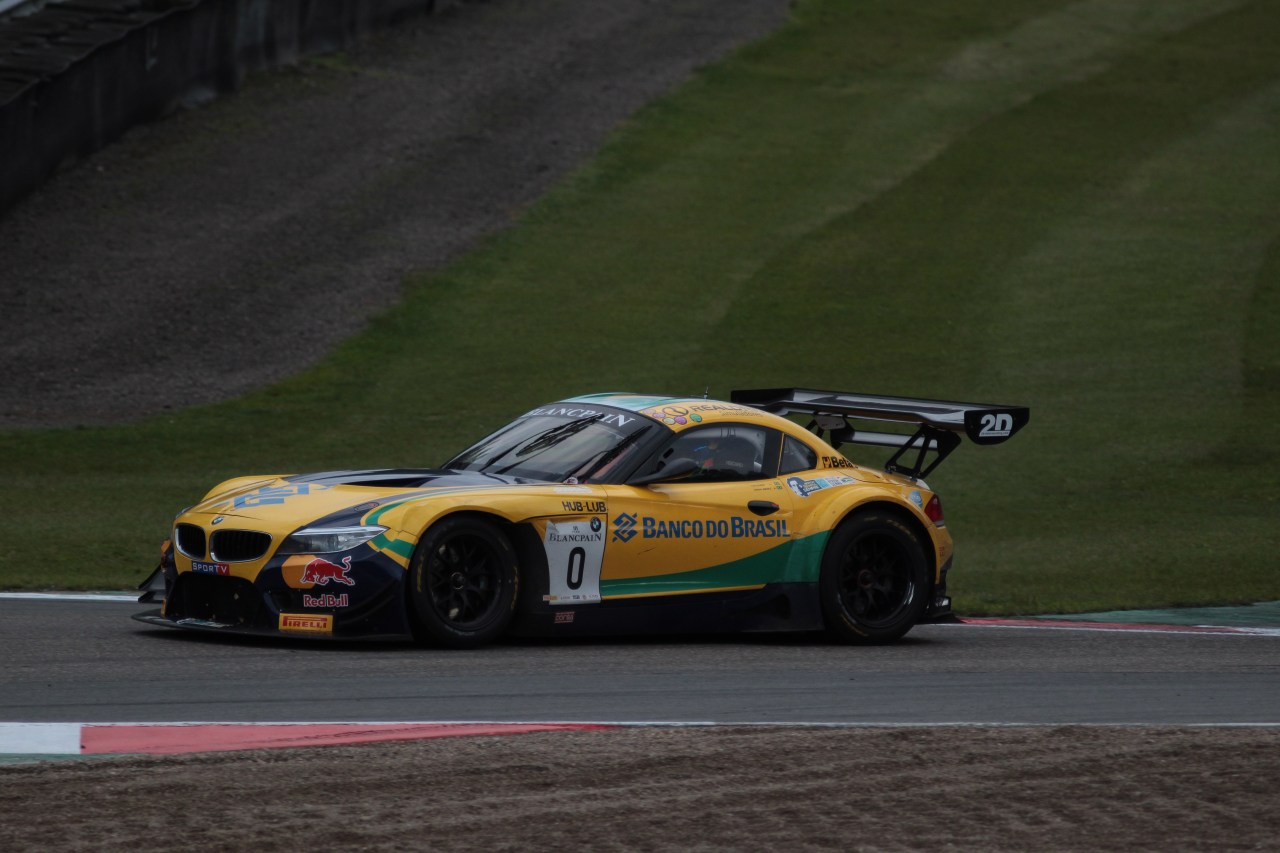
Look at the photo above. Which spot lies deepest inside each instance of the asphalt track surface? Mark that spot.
(87, 661)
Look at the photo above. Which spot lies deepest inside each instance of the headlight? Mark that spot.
(326, 540)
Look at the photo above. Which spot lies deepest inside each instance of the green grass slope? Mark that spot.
(1072, 206)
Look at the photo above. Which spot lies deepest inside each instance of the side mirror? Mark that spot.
(676, 469)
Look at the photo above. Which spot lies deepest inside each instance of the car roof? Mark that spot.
(680, 413)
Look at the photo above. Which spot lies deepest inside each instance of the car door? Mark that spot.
(726, 527)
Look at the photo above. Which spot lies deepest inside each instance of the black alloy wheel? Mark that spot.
(874, 583)
(463, 582)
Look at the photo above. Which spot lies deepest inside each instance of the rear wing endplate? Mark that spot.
(939, 423)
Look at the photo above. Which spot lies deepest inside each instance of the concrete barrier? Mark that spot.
(77, 74)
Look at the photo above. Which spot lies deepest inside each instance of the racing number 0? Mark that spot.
(577, 565)
(575, 554)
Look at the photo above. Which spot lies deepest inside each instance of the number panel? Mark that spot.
(575, 552)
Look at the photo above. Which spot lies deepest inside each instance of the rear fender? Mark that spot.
(937, 542)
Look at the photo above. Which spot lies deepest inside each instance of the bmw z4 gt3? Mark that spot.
(608, 513)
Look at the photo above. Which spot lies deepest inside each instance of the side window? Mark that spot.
(797, 456)
(723, 452)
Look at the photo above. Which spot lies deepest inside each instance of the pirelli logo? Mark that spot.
(307, 623)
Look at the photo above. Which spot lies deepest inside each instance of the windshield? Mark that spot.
(560, 445)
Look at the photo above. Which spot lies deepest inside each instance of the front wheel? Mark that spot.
(463, 582)
(874, 582)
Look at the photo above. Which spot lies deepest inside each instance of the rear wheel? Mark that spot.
(874, 582)
(463, 582)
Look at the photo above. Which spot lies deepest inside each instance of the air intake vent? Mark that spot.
(238, 546)
(190, 540)
(225, 600)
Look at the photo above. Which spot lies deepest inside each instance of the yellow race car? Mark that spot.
(601, 514)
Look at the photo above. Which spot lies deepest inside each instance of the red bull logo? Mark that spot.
(326, 600)
(320, 572)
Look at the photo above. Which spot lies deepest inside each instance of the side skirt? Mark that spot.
(776, 607)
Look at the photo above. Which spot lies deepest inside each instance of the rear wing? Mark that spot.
(939, 424)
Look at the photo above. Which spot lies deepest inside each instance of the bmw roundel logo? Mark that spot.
(595, 525)
(219, 519)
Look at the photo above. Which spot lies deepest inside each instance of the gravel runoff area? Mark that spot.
(226, 247)
(731, 788)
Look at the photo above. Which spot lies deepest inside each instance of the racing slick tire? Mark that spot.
(463, 583)
(874, 583)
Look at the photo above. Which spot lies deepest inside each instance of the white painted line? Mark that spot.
(1114, 627)
(72, 596)
(770, 724)
(39, 738)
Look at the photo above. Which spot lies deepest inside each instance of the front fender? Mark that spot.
(415, 515)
